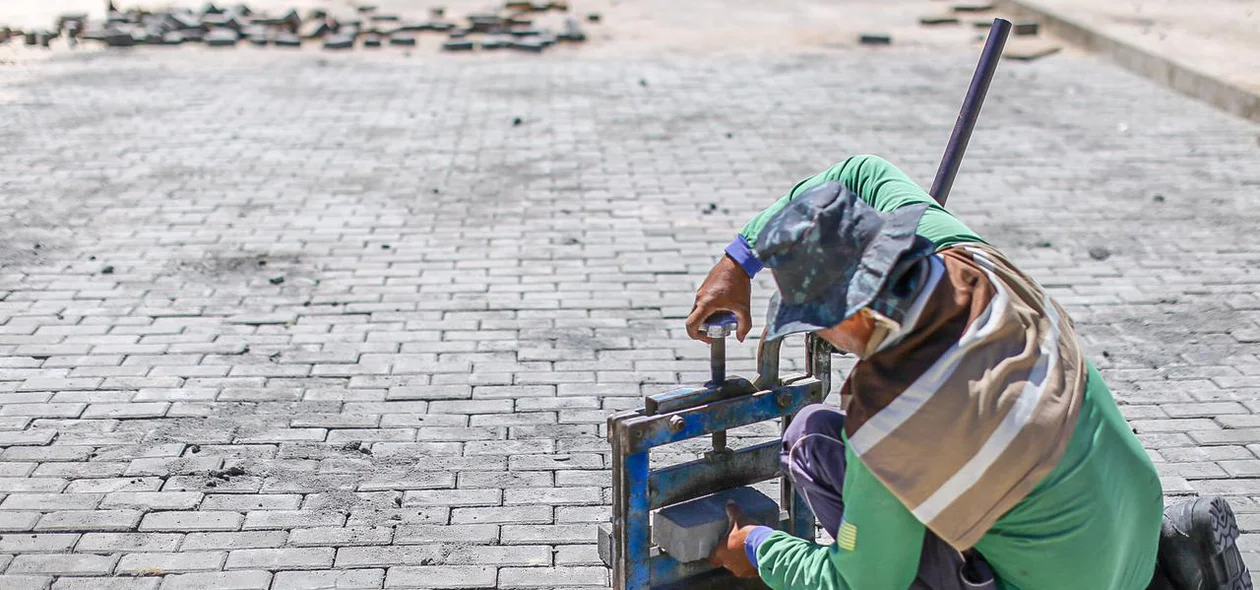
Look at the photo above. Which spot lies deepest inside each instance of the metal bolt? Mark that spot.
(783, 398)
(676, 424)
(718, 330)
(720, 325)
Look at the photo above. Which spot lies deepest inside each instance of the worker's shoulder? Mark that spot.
(855, 165)
(986, 263)
(959, 243)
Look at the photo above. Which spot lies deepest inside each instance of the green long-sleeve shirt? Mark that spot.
(1092, 523)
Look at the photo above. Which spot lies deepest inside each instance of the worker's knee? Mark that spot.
(818, 419)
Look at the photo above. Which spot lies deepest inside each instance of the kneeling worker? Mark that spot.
(980, 448)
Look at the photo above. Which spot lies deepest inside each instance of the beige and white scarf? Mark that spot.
(962, 411)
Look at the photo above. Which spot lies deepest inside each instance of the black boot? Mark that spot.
(1198, 546)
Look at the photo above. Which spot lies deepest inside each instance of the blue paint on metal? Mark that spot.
(639, 546)
(702, 477)
(702, 411)
(802, 518)
(667, 570)
(691, 397)
(726, 415)
(653, 403)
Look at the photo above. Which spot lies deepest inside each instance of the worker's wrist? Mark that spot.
(753, 540)
(741, 252)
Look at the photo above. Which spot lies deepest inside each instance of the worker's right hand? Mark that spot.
(730, 552)
(727, 288)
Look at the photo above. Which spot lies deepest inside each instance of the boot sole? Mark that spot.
(1225, 569)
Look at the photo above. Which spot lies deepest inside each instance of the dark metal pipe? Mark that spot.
(966, 123)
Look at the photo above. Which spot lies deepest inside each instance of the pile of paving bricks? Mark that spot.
(1019, 28)
(510, 28)
(1016, 50)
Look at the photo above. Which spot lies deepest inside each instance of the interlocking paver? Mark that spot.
(192, 521)
(462, 497)
(552, 577)
(54, 564)
(478, 534)
(539, 555)
(318, 580)
(116, 583)
(276, 559)
(22, 582)
(235, 580)
(341, 536)
(353, 557)
(557, 534)
(18, 521)
(577, 555)
(233, 540)
(288, 519)
(127, 542)
(50, 502)
(38, 543)
(184, 561)
(89, 520)
(113, 583)
(440, 576)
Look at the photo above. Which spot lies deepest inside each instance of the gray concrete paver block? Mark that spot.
(152, 500)
(184, 561)
(441, 576)
(352, 557)
(90, 520)
(233, 540)
(237, 580)
(353, 579)
(191, 521)
(276, 559)
(338, 536)
(59, 564)
(690, 530)
(128, 542)
(18, 521)
(552, 577)
(38, 543)
(113, 583)
(24, 582)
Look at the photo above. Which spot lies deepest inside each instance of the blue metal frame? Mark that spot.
(694, 412)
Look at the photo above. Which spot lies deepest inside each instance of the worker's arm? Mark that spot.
(877, 547)
(878, 183)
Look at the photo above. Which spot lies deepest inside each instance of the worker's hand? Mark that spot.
(727, 288)
(730, 552)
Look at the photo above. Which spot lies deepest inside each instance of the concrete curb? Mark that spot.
(1179, 77)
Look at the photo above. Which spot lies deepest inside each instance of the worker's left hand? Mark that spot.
(730, 552)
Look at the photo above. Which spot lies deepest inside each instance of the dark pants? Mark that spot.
(813, 456)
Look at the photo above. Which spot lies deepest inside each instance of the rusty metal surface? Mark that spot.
(646, 432)
(701, 477)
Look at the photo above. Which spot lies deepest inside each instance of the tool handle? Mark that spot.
(717, 327)
(966, 123)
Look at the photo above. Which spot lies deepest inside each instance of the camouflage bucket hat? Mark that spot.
(831, 254)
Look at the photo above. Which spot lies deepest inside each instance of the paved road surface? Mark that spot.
(298, 320)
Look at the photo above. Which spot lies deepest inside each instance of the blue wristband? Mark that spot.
(742, 253)
(754, 540)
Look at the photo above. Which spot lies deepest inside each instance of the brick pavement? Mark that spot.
(418, 402)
